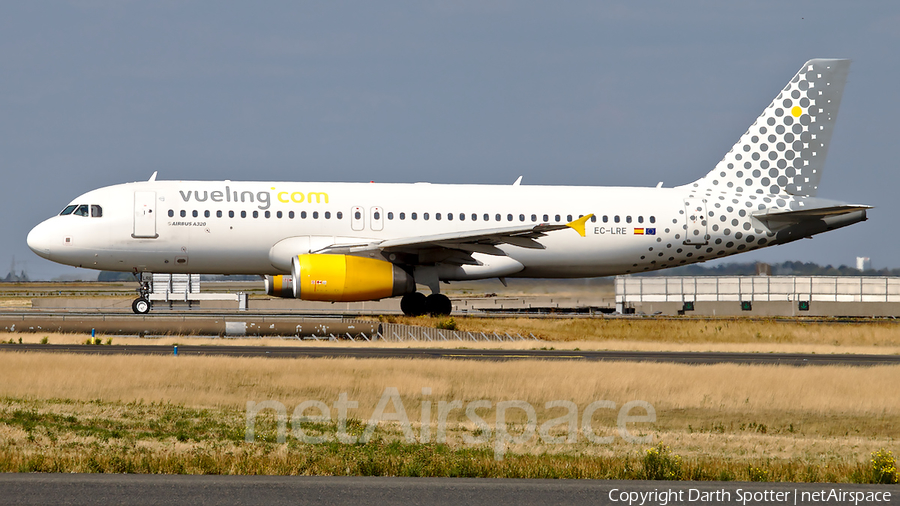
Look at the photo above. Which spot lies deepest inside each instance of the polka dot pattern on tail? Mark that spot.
(784, 151)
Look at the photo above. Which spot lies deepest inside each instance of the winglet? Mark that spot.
(578, 225)
(153, 176)
(518, 181)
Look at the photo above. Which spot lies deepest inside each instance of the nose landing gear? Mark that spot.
(142, 305)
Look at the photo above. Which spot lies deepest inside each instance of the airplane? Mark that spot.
(345, 242)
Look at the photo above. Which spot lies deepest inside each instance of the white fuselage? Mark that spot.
(231, 227)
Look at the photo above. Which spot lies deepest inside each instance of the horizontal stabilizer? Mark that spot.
(779, 219)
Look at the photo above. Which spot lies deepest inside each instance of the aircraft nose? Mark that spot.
(40, 239)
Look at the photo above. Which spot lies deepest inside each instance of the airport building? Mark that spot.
(853, 296)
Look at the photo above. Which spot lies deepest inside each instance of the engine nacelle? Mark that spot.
(340, 278)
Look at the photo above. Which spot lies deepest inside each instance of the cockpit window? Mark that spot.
(67, 210)
(81, 210)
(96, 211)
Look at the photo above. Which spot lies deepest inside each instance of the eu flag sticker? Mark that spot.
(650, 231)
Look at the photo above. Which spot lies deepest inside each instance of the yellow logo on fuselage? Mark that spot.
(263, 199)
(301, 197)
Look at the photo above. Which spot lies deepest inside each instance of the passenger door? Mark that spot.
(144, 215)
(695, 214)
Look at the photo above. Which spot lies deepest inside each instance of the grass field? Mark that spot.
(186, 414)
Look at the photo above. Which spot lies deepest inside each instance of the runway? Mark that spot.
(79, 489)
(364, 352)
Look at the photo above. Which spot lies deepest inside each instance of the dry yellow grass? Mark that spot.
(734, 413)
(684, 331)
(229, 381)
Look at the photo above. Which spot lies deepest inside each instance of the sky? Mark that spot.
(100, 92)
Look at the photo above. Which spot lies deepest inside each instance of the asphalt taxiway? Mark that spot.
(78, 489)
(368, 352)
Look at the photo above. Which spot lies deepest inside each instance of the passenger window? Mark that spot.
(569, 217)
(628, 219)
(315, 215)
(183, 213)
(171, 213)
(206, 214)
(231, 214)
(414, 216)
(69, 209)
(402, 216)
(328, 215)
(390, 215)
(640, 219)
(474, 217)
(243, 214)
(521, 217)
(256, 214)
(653, 219)
(376, 215)
(509, 217)
(616, 218)
(279, 214)
(268, 214)
(437, 216)
(497, 217)
(194, 213)
(533, 217)
(449, 216)
(340, 215)
(594, 219)
(302, 214)
(546, 219)
(291, 215)
(558, 218)
(218, 214)
(96, 211)
(605, 219)
(424, 216)
(487, 217)
(357, 215)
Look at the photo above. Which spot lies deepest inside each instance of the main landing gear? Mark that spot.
(417, 304)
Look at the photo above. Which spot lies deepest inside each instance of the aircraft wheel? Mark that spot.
(438, 304)
(414, 304)
(140, 306)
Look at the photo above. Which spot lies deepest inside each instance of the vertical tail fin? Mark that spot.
(784, 151)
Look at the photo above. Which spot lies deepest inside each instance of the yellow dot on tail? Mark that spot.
(797, 111)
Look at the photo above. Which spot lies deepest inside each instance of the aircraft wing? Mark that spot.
(475, 241)
(779, 219)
